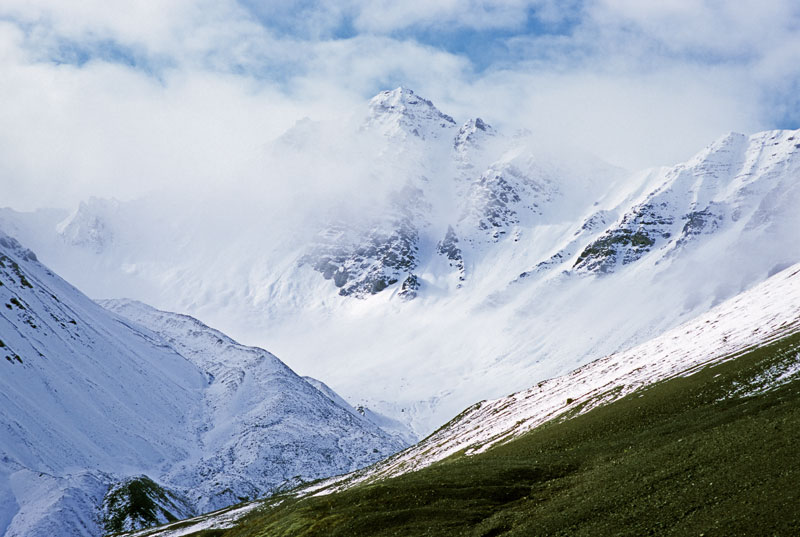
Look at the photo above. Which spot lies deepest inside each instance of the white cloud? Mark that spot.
(109, 129)
(658, 119)
(387, 15)
(745, 27)
(637, 83)
(153, 23)
(374, 63)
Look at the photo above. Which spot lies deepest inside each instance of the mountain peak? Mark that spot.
(401, 112)
(472, 128)
(399, 98)
(88, 226)
(470, 138)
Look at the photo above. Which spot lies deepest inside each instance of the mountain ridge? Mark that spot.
(489, 242)
(96, 406)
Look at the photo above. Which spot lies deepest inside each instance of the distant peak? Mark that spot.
(402, 111)
(89, 226)
(403, 100)
(722, 147)
(471, 134)
(399, 94)
(477, 124)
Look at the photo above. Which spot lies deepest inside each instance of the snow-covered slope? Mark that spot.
(401, 113)
(263, 426)
(442, 264)
(394, 427)
(766, 313)
(89, 398)
(80, 391)
(738, 185)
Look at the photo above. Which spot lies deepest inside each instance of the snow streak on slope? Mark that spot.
(88, 399)
(433, 272)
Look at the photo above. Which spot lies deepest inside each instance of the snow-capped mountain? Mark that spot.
(95, 407)
(401, 113)
(80, 392)
(263, 426)
(481, 263)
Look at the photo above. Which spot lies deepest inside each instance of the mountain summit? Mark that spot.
(401, 112)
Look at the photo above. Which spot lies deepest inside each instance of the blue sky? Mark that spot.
(637, 83)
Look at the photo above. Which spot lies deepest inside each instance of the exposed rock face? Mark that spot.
(634, 237)
(362, 261)
(379, 260)
(139, 502)
(501, 197)
(448, 247)
(703, 222)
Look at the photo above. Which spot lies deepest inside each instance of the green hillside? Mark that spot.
(700, 455)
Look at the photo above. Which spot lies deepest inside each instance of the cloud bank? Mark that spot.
(117, 98)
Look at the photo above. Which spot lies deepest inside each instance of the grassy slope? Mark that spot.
(680, 458)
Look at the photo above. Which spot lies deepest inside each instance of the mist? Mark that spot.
(114, 106)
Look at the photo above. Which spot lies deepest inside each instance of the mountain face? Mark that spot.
(108, 423)
(365, 263)
(733, 184)
(454, 185)
(484, 261)
(263, 426)
(80, 392)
